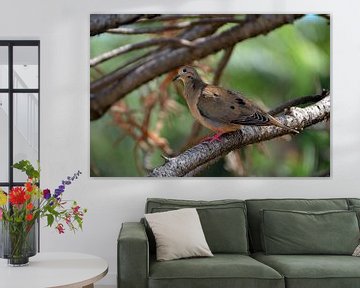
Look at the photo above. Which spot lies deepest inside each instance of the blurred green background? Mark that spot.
(290, 62)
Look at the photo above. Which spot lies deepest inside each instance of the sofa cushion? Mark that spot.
(222, 270)
(297, 232)
(254, 217)
(313, 271)
(178, 234)
(223, 221)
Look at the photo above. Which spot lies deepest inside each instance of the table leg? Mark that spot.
(89, 286)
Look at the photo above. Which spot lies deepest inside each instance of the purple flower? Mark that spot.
(68, 181)
(46, 194)
(58, 192)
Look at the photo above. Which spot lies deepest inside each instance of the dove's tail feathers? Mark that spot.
(276, 122)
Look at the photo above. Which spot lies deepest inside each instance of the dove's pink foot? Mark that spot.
(211, 139)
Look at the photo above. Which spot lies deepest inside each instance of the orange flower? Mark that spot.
(29, 217)
(27, 196)
(29, 206)
(28, 186)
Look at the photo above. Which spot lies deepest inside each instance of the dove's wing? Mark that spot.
(228, 107)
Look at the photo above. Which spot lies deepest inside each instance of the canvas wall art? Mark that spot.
(198, 95)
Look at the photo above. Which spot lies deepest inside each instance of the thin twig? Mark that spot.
(196, 129)
(140, 45)
(110, 79)
(299, 101)
(222, 64)
(175, 26)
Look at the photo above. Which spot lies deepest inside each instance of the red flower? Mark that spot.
(60, 228)
(29, 217)
(29, 206)
(17, 196)
(29, 186)
(68, 219)
(27, 196)
(75, 209)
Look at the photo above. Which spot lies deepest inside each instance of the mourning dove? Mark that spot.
(219, 109)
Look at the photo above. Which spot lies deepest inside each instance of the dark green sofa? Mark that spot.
(233, 231)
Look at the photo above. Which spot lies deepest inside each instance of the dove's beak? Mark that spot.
(176, 78)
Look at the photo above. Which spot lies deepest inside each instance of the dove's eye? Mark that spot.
(184, 70)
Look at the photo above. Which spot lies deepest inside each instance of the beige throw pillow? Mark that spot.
(357, 251)
(178, 234)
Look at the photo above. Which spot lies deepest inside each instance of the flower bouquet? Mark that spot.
(21, 208)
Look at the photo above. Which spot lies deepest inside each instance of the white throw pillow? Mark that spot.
(178, 234)
(357, 251)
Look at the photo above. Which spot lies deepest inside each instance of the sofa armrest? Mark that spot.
(133, 256)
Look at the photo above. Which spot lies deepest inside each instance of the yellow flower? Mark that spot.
(3, 198)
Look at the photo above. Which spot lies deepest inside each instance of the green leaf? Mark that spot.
(50, 219)
(52, 211)
(26, 167)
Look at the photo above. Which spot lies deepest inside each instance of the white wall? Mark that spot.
(63, 28)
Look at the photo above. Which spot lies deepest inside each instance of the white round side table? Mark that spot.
(50, 270)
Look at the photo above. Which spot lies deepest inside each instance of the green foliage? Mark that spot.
(26, 167)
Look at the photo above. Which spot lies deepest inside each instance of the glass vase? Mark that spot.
(18, 242)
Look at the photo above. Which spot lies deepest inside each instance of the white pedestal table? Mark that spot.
(50, 270)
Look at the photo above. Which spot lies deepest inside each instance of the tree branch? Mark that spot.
(202, 167)
(299, 101)
(135, 46)
(99, 23)
(222, 64)
(196, 157)
(101, 101)
(168, 17)
(175, 26)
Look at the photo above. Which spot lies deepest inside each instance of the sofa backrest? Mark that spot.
(353, 202)
(256, 205)
(223, 221)
(354, 205)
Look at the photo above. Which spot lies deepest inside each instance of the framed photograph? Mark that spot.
(210, 95)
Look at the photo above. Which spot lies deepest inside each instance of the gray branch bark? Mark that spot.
(195, 159)
(99, 23)
(102, 100)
